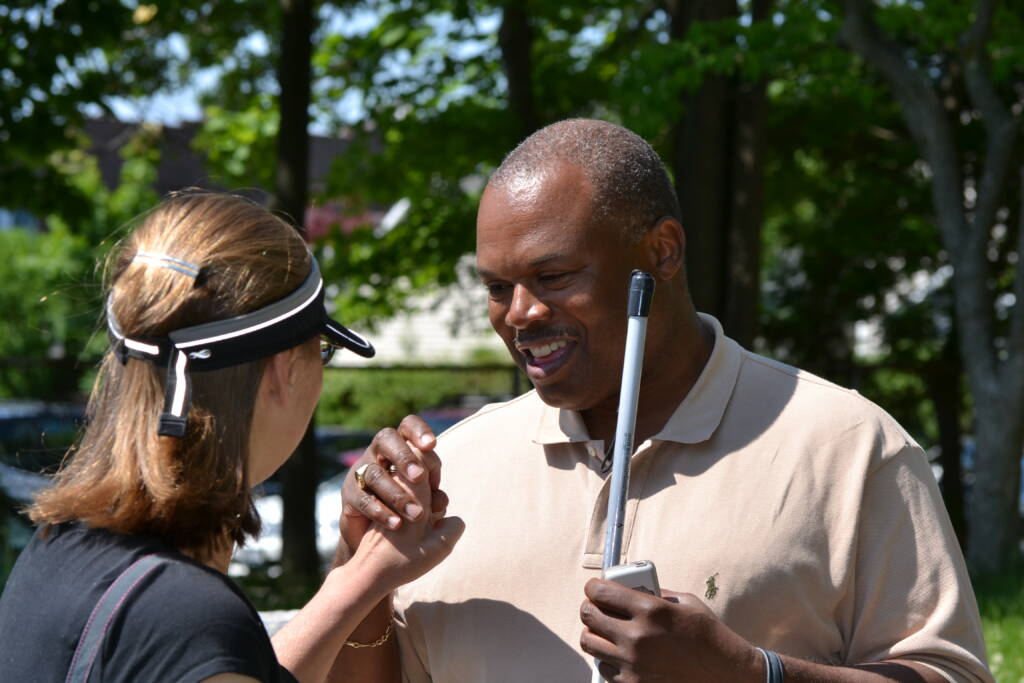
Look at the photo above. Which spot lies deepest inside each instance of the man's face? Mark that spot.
(557, 284)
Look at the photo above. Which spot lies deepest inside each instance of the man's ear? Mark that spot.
(666, 246)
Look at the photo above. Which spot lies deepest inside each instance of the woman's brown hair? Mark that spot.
(192, 491)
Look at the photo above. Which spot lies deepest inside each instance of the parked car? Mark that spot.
(16, 489)
(334, 446)
(440, 419)
(337, 448)
(266, 549)
(34, 437)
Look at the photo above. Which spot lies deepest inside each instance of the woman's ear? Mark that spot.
(279, 377)
(666, 245)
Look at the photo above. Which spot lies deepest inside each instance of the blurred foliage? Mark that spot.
(47, 316)
(50, 282)
(239, 145)
(269, 590)
(66, 61)
(433, 117)
(371, 398)
(850, 245)
(1001, 601)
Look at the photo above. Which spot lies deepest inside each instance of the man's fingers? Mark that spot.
(419, 434)
(609, 672)
(614, 598)
(607, 626)
(381, 484)
(433, 464)
(415, 430)
(598, 646)
(390, 447)
(438, 501)
(603, 649)
(438, 505)
(372, 509)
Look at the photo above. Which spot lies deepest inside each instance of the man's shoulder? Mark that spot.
(812, 403)
(494, 419)
(769, 371)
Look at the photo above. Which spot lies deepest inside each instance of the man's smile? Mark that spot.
(545, 357)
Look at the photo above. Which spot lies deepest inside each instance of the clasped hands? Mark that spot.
(637, 636)
(372, 515)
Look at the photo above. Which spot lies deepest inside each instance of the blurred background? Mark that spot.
(851, 176)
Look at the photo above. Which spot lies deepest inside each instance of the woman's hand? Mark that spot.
(311, 643)
(397, 556)
(410, 449)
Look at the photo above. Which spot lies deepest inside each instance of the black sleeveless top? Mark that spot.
(184, 622)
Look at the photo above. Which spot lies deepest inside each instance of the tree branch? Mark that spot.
(921, 109)
(1000, 126)
(761, 9)
(975, 38)
(1000, 133)
(929, 125)
(626, 38)
(515, 38)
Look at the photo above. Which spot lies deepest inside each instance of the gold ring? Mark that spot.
(361, 475)
(392, 469)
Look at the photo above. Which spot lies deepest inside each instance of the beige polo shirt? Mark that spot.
(800, 512)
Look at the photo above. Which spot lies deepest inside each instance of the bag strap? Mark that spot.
(103, 615)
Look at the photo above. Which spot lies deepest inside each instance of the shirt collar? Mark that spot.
(557, 425)
(694, 420)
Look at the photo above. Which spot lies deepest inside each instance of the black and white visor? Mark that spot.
(281, 325)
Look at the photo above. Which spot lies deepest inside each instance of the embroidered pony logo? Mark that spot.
(712, 590)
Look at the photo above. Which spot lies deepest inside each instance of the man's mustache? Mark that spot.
(542, 333)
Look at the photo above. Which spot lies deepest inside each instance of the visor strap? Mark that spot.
(120, 350)
(177, 399)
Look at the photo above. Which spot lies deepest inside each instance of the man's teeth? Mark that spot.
(547, 349)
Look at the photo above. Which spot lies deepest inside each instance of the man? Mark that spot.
(784, 512)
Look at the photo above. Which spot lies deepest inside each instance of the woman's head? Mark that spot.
(195, 258)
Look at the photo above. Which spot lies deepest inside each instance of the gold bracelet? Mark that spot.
(377, 643)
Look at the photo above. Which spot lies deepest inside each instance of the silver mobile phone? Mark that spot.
(641, 576)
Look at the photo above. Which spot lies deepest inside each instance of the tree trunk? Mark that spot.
(742, 274)
(700, 151)
(515, 38)
(944, 383)
(717, 156)
(300, 561)
(996, 381)
(993, 517)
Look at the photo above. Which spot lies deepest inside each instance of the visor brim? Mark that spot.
(341, 336)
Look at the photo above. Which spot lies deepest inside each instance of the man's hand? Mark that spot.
(410, 448)
(640, 637)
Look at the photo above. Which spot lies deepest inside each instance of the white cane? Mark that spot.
(641, 292)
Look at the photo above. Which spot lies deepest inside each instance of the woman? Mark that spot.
(218, 339)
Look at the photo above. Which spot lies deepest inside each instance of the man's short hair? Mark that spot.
(630, 183)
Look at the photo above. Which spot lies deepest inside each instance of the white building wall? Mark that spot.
(447, 327)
